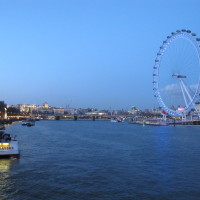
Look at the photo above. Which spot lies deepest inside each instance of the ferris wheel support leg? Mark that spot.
(181, 84)
(188, 94)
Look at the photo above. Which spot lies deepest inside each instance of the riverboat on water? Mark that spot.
(8, 146)
(150, 123)
(117, 120)
(28, 122)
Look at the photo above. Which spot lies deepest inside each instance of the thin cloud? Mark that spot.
(175, 89)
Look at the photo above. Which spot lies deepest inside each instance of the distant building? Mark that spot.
(197, 106)
(134, 110)
(42, 110)
(156, 111)
(3, 110)
(27, 108)
(23, 107)
(58, 111)
(45, 109)
(172, 107)
(46, 105)
(69, 110)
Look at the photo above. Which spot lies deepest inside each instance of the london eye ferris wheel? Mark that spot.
(176, 73)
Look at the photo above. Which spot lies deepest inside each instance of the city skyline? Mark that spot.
(86, 53)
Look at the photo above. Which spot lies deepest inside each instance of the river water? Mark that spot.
(99, 160)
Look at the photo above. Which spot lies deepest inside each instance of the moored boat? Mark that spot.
(113, 120)
(24, 123)
(29, 122)
(117, 120)
(8, 146)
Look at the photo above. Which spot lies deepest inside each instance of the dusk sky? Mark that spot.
(86, 53)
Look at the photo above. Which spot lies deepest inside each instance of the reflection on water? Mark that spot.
(5, 182)
(162, 150)
(5, 165)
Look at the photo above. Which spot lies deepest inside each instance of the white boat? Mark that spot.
(24, 123)
(8, 146)
(28, 123)
(117, 120)
(113, 120)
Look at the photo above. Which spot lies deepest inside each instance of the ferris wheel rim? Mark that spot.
(191, 37)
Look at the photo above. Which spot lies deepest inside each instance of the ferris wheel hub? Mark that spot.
(179, 75)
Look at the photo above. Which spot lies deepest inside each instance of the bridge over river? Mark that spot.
(77, 117)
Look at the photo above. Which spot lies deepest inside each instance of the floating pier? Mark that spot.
(166, 123)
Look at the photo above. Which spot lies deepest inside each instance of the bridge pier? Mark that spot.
(57, 117)
(75, 118)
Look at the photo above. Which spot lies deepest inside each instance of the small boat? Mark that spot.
(8, 146)
(38, 118)
(155, 123)
(117, 120)
(113, 120)
(29, 122)
(24, 123)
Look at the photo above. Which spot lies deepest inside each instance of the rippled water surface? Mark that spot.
(86, 160)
